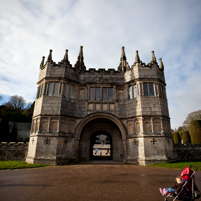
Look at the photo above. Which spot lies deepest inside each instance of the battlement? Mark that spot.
(80, 66)
(78, 74)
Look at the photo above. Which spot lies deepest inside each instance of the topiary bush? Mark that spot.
(176, 138)
(184, 135)
(195, 131)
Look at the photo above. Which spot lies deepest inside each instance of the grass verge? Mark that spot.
(4, 165)
(178, 165)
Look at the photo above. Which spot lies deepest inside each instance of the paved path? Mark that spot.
(90, 182)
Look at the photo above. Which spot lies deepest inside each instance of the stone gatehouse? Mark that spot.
(119, 115)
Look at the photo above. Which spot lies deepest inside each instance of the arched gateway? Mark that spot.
(101, 124)
(82, 115)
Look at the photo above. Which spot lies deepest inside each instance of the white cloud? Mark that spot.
(28, 29)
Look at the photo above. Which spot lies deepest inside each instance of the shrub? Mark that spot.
(184, 135)
(195, 131)
(17, 117)
(176, 138)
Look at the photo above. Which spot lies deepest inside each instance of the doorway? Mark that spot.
(111, 133)
(101, 146)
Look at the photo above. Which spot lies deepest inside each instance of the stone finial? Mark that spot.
(66, 56)
(42, 62)
(123, 66)
(79, 65)
(137, 58)
(81, 51)
(153, 57)
(161, 64)
(123, 55)
(50, 56)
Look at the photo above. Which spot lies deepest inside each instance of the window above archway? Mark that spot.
(101, 93)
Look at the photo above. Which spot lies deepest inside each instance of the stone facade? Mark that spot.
(73, 104)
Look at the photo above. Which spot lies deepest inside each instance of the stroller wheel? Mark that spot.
(169, 197)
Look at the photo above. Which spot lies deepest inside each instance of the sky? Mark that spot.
(172, 28)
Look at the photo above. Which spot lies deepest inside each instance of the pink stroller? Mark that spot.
(189, 190)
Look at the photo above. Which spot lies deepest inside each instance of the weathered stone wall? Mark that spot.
(37, 106)
(18, 151)
(51, 105)
(13, 151)
(188, 152)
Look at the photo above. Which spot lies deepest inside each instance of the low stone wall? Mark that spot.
(188, 152)
(16, 151)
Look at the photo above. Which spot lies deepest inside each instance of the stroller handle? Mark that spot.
(194, 167)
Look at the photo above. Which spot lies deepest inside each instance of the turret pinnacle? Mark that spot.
(50, 56)
(66, 56)
(123, 66)
(42, 62)
(81, 52)
(123, 55)
(80, 61)
(161, 64)
(153, 57)
(137, 58)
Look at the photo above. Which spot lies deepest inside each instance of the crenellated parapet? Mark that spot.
(80, 66)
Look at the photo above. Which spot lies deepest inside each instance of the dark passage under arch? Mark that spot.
(101, 146)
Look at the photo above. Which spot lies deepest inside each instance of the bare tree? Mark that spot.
(16, 102)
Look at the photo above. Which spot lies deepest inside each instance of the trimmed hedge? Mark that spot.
(195, 131)
(184, 135)
(176, 138)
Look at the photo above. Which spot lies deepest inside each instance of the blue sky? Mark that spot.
(172, 28)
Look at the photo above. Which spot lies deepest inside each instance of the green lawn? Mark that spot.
(18, 165)
(178, 165)
(21, 164)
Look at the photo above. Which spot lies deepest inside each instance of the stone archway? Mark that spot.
(98, 123)
(101, 116)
